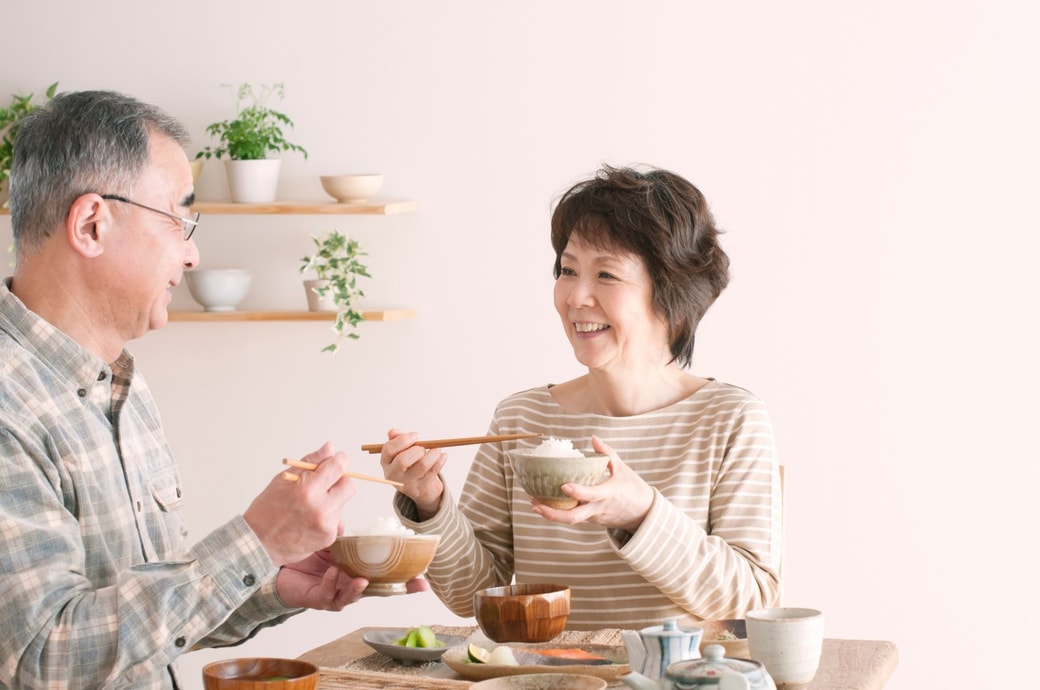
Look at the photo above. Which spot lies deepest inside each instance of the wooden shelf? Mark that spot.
(373, 315)
(373, 207)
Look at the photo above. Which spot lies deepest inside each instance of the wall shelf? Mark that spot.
(373, 207)
(372, 315)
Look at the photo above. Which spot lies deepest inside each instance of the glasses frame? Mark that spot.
(189, 224)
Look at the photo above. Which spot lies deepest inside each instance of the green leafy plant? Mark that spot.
(10, 118)
(337, 259)
(256, 131)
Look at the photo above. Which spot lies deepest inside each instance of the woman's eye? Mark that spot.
(606, 276)
(564, 271)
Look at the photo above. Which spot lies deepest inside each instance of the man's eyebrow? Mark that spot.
(188, 201)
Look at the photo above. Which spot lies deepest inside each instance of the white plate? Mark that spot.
(383, 641)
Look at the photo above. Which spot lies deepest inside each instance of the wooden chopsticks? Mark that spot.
(446, 442)
(310, 466)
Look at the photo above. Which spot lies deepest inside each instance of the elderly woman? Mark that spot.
(687, 526)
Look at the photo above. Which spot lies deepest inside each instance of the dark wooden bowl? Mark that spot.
(523, 613)
(260, 674)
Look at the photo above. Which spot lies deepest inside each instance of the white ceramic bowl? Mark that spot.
(218, 289)
(352, 189)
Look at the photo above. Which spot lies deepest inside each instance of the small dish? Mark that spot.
(383, 641)
(730, 633)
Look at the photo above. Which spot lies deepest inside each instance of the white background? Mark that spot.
(873, 164)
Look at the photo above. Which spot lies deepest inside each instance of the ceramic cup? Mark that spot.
(788, 641)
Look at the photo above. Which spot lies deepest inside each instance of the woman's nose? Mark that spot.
(580, 294)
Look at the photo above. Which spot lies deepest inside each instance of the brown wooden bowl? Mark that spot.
(260, 674)
(522, 613)
(387, 561)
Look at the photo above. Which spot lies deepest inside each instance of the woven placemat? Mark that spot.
(377, 662)
(336, 679)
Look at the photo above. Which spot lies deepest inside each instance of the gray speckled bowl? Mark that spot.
(542, 476)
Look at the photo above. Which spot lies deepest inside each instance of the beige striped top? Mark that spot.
(709, 548)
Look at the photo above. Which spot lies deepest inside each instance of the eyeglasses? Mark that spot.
(189, 223)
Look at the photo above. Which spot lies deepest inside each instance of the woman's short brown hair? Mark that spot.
(662, 218)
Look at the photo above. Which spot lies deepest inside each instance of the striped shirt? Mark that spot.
(709, 547)
(99, 590)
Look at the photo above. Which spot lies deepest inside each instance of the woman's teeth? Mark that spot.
(590, 327)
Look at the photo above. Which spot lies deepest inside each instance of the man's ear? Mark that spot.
(88, 224)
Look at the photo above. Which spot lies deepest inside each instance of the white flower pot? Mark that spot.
(253, 182)
(316, 302)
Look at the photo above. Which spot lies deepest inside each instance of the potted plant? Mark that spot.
(255, 132)
(337, 263)
(10, 118)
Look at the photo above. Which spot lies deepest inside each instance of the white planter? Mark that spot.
(316, 302)
(253, 182)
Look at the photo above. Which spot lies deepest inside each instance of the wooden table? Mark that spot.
(845, 665)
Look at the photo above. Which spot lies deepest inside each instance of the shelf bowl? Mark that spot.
(218, 289)
(352, 189)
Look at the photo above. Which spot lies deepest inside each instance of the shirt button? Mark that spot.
(82, 392)
(249, 580)
(101, 376)
(180, 642)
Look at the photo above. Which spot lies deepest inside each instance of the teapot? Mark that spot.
(714, 671)
(653, 649)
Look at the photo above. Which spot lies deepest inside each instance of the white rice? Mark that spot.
(384, 527)
(557, 448)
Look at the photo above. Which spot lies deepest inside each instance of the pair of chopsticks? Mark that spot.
(378, 448)
(448, 442)
(310, 466)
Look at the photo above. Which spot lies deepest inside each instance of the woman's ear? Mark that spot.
(87, 225)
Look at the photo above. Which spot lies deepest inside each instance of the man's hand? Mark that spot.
(293, 519)
(316, 583)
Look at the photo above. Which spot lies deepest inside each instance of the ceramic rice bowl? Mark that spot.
(542, 476)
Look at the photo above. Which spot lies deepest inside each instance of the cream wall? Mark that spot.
(874, 165)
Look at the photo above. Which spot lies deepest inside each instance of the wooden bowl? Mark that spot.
(260, 674)
(387, 561)
(543, 475)
(522, 613)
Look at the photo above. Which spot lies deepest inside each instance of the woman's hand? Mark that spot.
(622, 501)
(417, 468)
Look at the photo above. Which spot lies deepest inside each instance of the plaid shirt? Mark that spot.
(98, 588)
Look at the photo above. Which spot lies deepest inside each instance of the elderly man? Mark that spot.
(99, 587)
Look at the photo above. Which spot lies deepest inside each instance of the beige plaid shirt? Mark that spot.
(98, 587)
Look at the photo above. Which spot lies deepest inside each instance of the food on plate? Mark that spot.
(499, 656)
(556, 448)
(725, 636)
(421, 636)
(570, 654)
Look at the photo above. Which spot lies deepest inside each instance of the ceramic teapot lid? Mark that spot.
(714, 664)
(667, 629)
